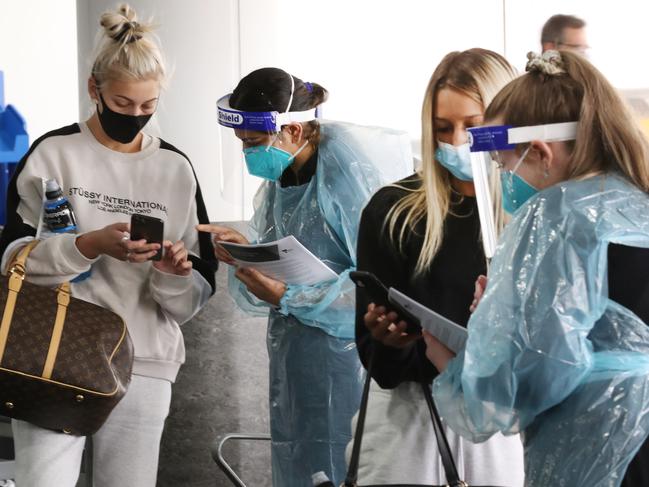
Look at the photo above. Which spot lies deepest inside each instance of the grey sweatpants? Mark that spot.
(125, 449)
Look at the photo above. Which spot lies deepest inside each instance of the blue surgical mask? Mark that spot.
(516, 191)
(269, 162)
(457, 159)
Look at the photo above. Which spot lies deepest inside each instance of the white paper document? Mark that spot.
(285, 260)
(446, 331)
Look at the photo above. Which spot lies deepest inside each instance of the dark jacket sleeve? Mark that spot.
(206, 263)
(379, 255)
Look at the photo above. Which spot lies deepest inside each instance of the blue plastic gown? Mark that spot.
(548, 354)
(315, 373)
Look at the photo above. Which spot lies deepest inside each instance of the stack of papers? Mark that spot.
(285, 260)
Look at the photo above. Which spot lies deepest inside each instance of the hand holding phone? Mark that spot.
(378, 294)
(151, 229)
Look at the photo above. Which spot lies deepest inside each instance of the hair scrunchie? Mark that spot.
(550, 63)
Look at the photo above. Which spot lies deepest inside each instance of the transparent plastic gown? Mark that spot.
(548, 354)
(315, 373)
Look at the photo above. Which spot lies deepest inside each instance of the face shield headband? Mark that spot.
(270, 121)
(506, 137)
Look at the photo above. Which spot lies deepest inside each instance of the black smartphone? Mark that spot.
(378, 294)
(150, 229)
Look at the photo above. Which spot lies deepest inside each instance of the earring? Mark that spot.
(546, 172)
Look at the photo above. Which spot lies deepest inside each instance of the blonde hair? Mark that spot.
(479, 74)
(608, 136)
(127, 49)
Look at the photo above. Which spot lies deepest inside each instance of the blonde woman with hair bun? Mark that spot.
(421, 235)
(109, 169)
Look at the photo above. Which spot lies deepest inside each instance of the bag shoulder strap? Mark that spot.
(452, 476)
(18, 269)
(19, 260)
(352, 471)
(450, 470)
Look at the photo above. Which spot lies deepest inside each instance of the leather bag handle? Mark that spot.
(17, 273)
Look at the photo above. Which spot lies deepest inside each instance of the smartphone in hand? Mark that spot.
(378, 294)
(148, 228)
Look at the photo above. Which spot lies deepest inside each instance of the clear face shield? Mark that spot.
(265, 145)
(267, 149)
(489, 145)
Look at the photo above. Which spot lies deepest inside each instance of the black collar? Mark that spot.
(304, 175)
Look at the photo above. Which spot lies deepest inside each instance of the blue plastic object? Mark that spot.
(14, 143)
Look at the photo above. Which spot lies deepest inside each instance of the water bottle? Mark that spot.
(320, 479)
(59, 216)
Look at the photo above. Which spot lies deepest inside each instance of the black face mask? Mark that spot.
(118, 126)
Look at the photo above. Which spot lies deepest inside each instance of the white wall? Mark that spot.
(616, 33)
(38, 54)
(374, 56)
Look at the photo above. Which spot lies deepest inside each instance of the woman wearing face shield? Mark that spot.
(108, 169)
(319, 175)
(558, 347)
(422, 236)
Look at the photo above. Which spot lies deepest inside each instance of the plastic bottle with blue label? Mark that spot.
(58, 215)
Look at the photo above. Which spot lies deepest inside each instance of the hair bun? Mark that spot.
(550, 63)
(317, 93)
(122, 26)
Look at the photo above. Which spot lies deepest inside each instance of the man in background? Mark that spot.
(564, 32)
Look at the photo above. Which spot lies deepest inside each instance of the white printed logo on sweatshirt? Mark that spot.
(117, 204)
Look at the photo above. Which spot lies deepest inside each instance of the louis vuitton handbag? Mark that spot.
(65, 363)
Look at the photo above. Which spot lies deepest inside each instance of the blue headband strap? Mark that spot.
(505, 137)
(270, 121)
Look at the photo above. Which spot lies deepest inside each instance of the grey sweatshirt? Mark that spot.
(106, 187)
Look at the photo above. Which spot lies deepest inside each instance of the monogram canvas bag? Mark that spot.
(65, 363)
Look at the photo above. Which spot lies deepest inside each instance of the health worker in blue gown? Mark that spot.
(318, 176)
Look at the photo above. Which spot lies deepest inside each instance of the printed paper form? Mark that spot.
(446, 331)
(286, 260)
